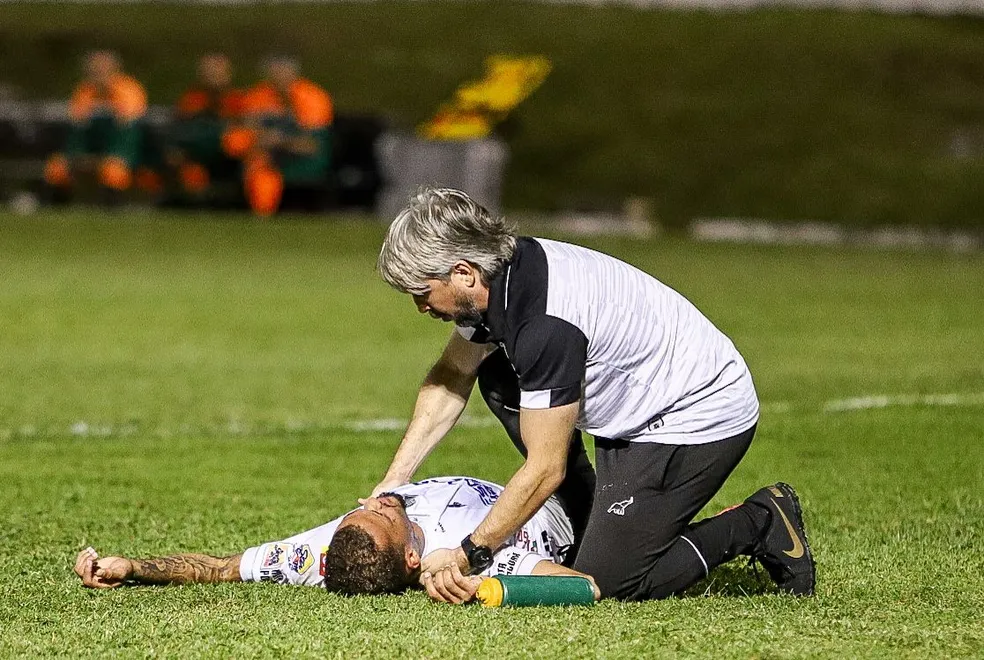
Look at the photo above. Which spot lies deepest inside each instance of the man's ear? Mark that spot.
(466, 274)
(413, 558)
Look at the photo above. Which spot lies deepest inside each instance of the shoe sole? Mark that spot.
(790, 492)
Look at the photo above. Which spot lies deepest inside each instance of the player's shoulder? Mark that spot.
(453, 480)
(487, 490)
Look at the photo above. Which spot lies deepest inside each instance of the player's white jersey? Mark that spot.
(447, 509)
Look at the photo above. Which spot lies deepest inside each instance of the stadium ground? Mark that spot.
(203, 383)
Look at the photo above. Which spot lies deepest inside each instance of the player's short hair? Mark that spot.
(439, 227)
(355, 564)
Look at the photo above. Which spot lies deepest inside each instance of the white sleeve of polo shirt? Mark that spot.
(536, 400)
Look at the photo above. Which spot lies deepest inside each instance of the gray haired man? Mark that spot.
(563, 339)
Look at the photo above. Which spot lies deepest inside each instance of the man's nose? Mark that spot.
(387, 501)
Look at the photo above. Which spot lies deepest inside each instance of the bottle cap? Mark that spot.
(490, 593)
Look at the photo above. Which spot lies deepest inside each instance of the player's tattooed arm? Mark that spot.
(186, 569)
(109, 572)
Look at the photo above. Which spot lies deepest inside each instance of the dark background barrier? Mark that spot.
(778, 114)
(29, 132)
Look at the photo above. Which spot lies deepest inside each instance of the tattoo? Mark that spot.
(186, 569)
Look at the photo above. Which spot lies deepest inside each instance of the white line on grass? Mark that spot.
(397, 424)
(238, 428)
(906, 400)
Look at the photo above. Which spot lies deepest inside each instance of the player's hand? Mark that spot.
(442, 575)
(384, 486)
(450, 585)
(105, 573)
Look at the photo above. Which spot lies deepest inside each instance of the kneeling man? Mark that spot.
(372, 550)
(562, 339)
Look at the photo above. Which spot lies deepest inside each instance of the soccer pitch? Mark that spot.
(204, 383)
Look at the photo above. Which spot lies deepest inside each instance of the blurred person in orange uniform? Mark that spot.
(106, 112)
(203, 114)
(285, 137)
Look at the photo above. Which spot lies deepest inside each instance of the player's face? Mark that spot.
(384, 519)
(447, 302)
(281, 72)
(100, 66)
(215, 71)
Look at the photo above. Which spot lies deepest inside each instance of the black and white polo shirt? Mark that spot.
(646, 364)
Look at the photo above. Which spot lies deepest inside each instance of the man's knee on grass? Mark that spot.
(356, 564)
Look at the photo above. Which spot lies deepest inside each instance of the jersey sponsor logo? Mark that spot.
(455, 505)
(487, 493)
(275, 555)
(273, 575)
(301, 559)
(508, 567)
(618, 508)
(522, 539)
(323, 562)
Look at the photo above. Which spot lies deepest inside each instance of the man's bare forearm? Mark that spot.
(186, 569)
(440, 402)
(526, 492)
(547, 435)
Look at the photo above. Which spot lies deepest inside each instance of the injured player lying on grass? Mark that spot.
(375, 549)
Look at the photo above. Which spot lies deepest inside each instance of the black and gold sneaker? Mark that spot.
(783, 548)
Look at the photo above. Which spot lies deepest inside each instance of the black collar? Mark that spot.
(494, 318)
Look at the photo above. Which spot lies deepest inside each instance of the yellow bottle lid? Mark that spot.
(490, 593)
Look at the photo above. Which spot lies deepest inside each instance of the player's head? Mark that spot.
(281, 69)
(101, 66)
(215, 70)
(375, 549)
(444, 249)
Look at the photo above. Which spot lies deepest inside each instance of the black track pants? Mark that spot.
(640, 543)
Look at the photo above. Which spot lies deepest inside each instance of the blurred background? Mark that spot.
(721, 116)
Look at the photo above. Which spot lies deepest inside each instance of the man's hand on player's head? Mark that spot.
(383, 486)
(105, 573)
(450, 585)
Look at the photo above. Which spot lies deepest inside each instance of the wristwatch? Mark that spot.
(479, 556)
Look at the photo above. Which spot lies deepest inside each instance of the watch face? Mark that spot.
(481, 558)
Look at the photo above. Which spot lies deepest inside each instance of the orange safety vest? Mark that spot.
(224, 104)
(308, 104)
(125, 99)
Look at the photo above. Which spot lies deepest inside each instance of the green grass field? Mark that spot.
(195, 384)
